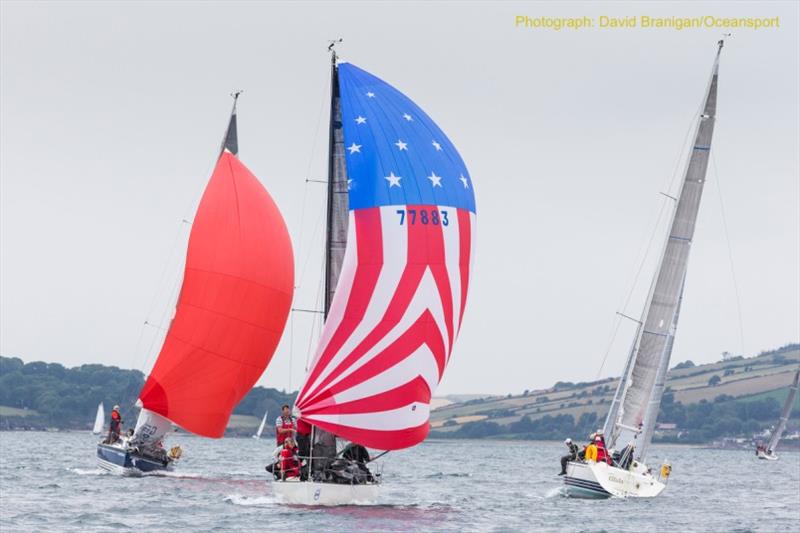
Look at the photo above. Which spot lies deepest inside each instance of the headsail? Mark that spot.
(644, 383)
(233, 305)
(403, 283)
(787, 409)
(99, 419)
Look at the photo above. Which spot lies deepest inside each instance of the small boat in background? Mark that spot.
(99, 419)
(768, 452)
(632, 415)
(231, 311)
(261, 426)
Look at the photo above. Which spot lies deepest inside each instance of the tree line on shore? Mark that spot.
(67, 398)
(698, 422)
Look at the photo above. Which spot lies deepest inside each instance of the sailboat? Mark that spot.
(232, 308)
(631, 419)
(768, 452)
(261, 426)
(99, 419)
(400, 230)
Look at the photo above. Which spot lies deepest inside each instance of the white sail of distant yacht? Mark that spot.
(769, 452)
(261, 426)
(631, 419)
(99, 419)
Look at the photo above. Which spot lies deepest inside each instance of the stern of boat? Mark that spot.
(599, 480)
(118, 459)
(296, 492)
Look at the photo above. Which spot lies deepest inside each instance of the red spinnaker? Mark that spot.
(233, 305)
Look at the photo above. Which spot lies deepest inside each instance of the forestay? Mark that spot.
(402, 288)
(644, 384)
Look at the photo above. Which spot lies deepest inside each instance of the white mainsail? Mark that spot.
(636, 404)
(787, 409)
(99, 419)
(261, 426)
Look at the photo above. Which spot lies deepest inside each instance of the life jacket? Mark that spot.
(285, 424)
(602, 456)
(116, 420)
(289, 465)
(591, 453)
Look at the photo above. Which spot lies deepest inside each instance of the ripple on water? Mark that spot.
(250, 501)
(453, 486)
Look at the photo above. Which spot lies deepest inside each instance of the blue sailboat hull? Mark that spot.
(120, 460)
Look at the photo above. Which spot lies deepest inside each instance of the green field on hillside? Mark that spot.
(572, 406)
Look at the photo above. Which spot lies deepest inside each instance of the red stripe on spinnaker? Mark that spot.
(379, 439)
(369, 248)
(414, 391)
(424, 331)
(233, 305)
(403, 294)
(465, 249)
(438, 265)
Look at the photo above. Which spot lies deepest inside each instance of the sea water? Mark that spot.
(49, 482)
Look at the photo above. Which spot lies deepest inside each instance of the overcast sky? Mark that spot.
(112, 114)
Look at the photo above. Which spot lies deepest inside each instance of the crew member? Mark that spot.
(284, 425)
(572, 454)
(590, 452)
(115, 427)
(602, 454)
(290, 464)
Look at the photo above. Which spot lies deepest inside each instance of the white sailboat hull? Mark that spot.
(766, 456)
(599, 480)
(298, 492)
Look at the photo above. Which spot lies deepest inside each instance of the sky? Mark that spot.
(111, 116)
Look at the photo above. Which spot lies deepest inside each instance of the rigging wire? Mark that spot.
(300, 280)
(648, 244)
(730, 252)
(146, 358)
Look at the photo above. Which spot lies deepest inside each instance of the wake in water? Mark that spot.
(439, 475)
(556, 492)
(175, 475)
(248, 501)
(89, 471)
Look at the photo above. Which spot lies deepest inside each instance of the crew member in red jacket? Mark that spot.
(602, 454)
(290, 464)
(115, 427)
(284, 425)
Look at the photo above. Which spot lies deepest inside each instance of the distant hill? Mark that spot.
(47, 395)
(736, 396)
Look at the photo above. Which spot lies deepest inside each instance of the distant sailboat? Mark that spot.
(232, 308)
(99, 419)
(400, 229)
(768, 452)
(632, 416)
(261, 426)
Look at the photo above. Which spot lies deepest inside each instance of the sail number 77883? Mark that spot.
(423, 216)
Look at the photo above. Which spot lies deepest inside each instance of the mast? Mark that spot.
(787, 408)
(231, 140)
(337, 201)
(644, 386)
(337, 206)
